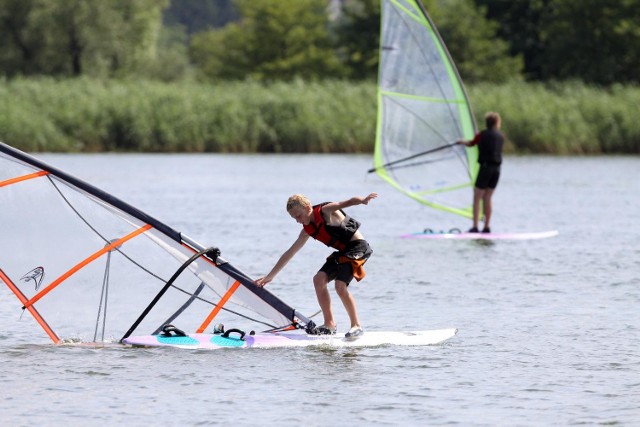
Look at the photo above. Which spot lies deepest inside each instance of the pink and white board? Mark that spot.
(293, 339)
(482, 236)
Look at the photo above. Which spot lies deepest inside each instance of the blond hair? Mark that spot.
(491, 119)
(297, 200)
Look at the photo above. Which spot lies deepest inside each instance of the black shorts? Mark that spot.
(488, 176)
(357, 249)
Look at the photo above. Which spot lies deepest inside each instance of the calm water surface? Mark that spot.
(548, 329)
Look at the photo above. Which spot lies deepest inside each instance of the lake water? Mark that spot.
(549, 330)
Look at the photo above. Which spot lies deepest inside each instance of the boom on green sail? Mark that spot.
(423, 110)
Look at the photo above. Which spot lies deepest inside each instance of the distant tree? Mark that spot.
(358, 37)
(200, 15)
(222, 54)
(20, 42)
(80, 37)
(274, 40)
(520, 24)
(597, 41)
(171, 61)
(472, 40)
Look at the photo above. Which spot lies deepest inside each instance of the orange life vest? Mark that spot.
(335, 236)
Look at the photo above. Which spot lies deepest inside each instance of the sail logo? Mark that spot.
(37, 274)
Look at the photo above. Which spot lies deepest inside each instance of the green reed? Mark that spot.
(304, 117)
(563, 118)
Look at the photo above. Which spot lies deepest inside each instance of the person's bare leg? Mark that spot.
(478, 195)
(487, 207)
(348, 301)
(324, 299)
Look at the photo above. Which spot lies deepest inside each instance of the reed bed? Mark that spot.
(563, 118)
(302, 117)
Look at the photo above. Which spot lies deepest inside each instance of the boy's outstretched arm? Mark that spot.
(334, 206)
(284, 259)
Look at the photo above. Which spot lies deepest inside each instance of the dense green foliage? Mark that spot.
(595, 41)
(79, 37)
(323, 117)
(276, 40)
(199, 15)
(480, 55)
(358, 33)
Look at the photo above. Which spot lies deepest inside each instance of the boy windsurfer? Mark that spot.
(327, 223)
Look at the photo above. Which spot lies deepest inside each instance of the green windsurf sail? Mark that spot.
(423, 110)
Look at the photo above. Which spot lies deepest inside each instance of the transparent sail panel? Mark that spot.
(422, 111)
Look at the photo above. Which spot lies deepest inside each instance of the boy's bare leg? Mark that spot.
(349, 302)
(324, 299)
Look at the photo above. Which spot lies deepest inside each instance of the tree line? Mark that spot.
(595, 41)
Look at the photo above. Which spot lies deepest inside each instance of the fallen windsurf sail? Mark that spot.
(92, 268)
(422, 111)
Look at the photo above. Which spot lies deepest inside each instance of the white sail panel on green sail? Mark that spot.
(422, 111)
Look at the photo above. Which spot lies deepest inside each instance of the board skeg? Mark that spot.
(293, 339)
(482, 236)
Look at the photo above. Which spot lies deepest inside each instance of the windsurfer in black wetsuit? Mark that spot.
(490, 142)
(328, 223)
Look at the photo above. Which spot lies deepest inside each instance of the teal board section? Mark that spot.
(177, 340)
(227, 342)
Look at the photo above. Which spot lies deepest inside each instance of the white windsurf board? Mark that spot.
(482, 236)
(292, 339)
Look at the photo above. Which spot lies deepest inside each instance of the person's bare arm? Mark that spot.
(284, 259)
(334, 206)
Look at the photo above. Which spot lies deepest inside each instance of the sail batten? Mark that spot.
(83, 263)
(422, 98)
(23, 178)
(108, 260)
(423, 110)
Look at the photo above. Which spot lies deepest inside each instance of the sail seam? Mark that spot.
(422, 98)
(86, 262)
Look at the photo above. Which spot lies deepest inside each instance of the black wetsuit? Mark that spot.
(490, 143)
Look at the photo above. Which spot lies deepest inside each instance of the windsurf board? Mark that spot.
(482, 236)
(292, 339)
